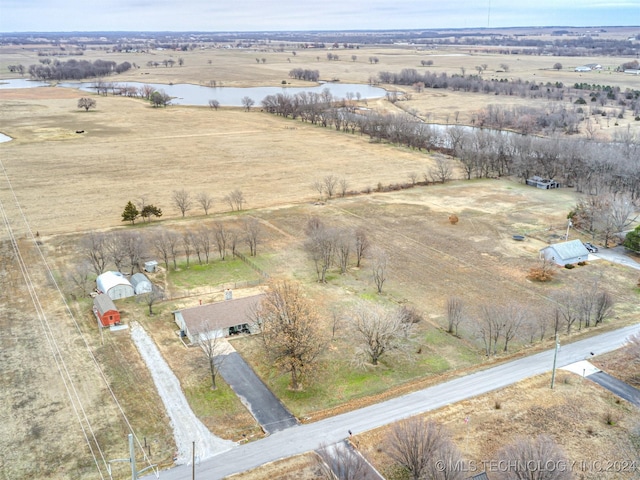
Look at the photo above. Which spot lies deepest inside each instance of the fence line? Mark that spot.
(252, 264)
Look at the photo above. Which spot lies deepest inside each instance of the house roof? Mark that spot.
(218, 315)
(138, 278)
(570, 249)
(103, 303)
(108, 280)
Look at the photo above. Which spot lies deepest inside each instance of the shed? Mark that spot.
(141, 283)
(105, 310)
(115, 285)
(543, 183)
(151, 266)
(564, 253)
(219, 319)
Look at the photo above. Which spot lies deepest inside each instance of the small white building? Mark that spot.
(115, 285)
(564, 253)
(141, 283)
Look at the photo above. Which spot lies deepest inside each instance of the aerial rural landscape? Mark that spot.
(320, 254)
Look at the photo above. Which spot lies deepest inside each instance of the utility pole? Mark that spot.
(555, 357)
(131, 460)
(193, 460)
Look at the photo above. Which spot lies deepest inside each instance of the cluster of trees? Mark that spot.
(475, 83)
(169, 62)
(589, 166)
(16, 69)
(632, 240)
(128, 249)
(425, 449)
(184, 201)
(498, 326)
(305, 74)
(605, 214)
(76, 69)
(329, 246)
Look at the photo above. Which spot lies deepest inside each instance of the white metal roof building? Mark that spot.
(564, 253)
(115, 285)
(141, 283)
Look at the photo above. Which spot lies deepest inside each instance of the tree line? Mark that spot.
(76, 69)
(591, 167)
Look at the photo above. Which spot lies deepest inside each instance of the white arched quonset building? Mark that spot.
(115, 285)
(141, 283)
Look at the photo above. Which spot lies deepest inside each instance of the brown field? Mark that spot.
(573, 414)
(68, 184)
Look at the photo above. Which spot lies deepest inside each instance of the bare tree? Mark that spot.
(214, 348)
(318, 186)
(94, 249)
(557, 66)
(235, 199)
(79, 280)
(116, 249)
(222, 238)
(341, 462)
(133, 245)
(204, 240)
(362, 245)
(160, 244)
(290, 334)
(151, 298)
(567, 308)
(321, 243)
(252, 232)
(247, 103)
(215, 104)
(187, 245)
(182, 200)
(205, 200)
(455, 314)
(527, 456)
(442, 171)
(330, 182)
(344, 243)
(87, 103)
(425, 449)
(379, 267)
(343, 186)
(378, 330)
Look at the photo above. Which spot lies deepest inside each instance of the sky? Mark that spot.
(278, 15)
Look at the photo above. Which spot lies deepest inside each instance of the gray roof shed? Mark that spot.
(141, 283)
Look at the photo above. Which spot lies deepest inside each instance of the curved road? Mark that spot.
(303, 438)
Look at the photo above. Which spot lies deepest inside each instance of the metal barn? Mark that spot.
(115, 285)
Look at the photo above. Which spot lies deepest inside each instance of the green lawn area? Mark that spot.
(214, 273)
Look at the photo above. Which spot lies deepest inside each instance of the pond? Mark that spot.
(21, 83)
(187, 94)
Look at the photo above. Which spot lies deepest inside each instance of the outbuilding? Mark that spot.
(219, 319)
(565, 253)
(141, 283)
(105, 310)
(115, 285)
(543, 183)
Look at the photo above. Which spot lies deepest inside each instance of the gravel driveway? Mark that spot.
(617, 255)
(186, 426)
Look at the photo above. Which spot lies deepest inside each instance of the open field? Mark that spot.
(68, 184)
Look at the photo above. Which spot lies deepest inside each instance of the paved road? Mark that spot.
(617, 255)
(254, 394)
(303, 438)
(620, 388)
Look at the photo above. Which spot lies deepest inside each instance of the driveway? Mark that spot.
(617, 255)
(261, 402)
(620, 388)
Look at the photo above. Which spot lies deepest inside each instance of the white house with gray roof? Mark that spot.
(564, 253)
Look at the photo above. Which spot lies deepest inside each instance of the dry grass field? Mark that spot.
(68, 184)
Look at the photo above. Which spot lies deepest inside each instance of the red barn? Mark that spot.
(105, 310)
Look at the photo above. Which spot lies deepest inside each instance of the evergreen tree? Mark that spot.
(150, 210)
(632, 240)
(130, 213)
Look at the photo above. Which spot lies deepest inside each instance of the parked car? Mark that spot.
(591, 247)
